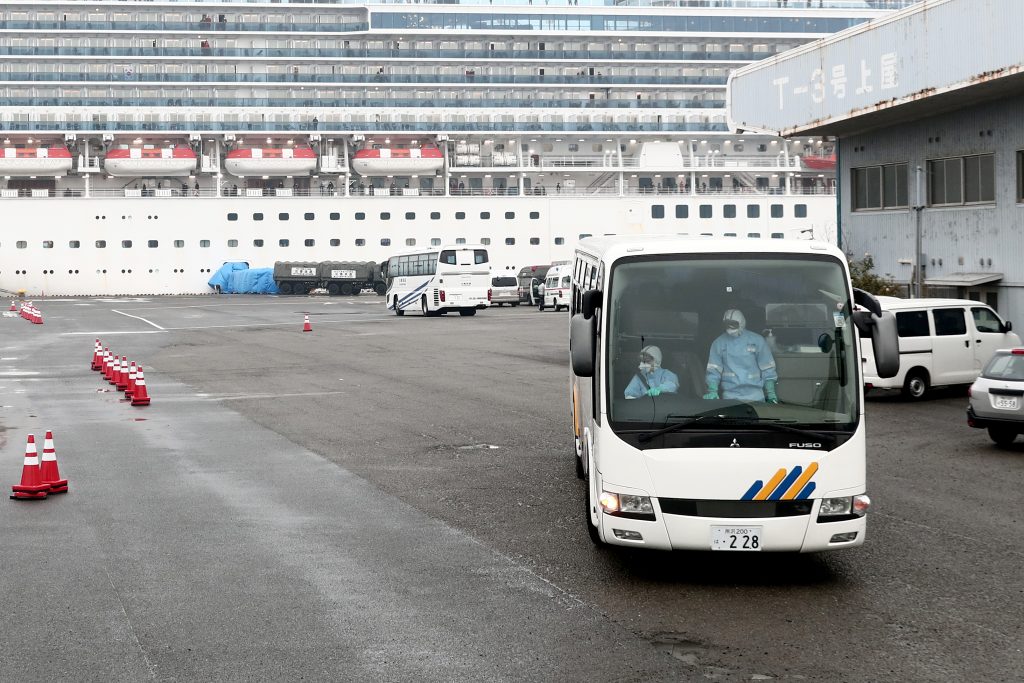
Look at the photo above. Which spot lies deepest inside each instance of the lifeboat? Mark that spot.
(397, 161)
(271, 161)
(819, 163)
(17, 161)
(150, 161)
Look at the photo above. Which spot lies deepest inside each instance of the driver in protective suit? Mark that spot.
(740, 365)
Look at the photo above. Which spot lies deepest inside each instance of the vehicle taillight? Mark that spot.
(440, 293)
(1018, 352)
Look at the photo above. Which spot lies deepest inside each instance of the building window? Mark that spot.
(232, 216)
(257, 243)
(657, 210)
(232, 243)
(310, 243)
(879, 187)
(435, 215)
(682, 211)
(153, 244)
(335, 242)
(776, 210)
(283, 242)
(1020, 176)
(335, 216)
(729, 211)
(705, 211)
(180, 244)
(257, 216)
(979, 179)
(800, 211)
(753, 210)
(308, 216)
(534, 241)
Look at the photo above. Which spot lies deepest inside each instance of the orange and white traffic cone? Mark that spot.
(48, 470)
(306, 327)
(140, 397)
(37, 316)
(122, 375)
(13, 307)
(97, 356)
(31, 486)
(108, 366)
(132, 376)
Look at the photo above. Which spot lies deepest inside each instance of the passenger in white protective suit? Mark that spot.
(741, 364)
(651, 379)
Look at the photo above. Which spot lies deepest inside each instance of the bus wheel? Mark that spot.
(285, 287)
(398, 311)
(332, 288)
(427, 313)
(467, 311)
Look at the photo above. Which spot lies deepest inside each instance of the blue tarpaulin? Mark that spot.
(239, 278)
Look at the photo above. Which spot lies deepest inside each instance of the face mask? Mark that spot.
(645, 367)
(733, 332)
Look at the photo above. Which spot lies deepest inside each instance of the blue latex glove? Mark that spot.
(712, 394)
(654, 391)
(769, 391)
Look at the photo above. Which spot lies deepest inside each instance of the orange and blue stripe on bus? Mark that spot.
(794, 485)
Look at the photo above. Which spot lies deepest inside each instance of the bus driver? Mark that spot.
(651, 379)
(741, 363)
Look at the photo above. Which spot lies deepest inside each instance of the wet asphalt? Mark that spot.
(394, 499)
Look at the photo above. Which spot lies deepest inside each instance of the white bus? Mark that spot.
(697, 428)
(435, 281)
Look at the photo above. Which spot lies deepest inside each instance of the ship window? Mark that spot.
(385, 216)
(534, 241)
(385, 241)
(231, 243)
(22, 244)
(510, 241)
(74, 244)
(205, 244)
(573, 147)
(510, 215)
(47, 244)
(776, 210)
(410, 216)
(460, 215)
(705, 211)
(308, 216)
(360, 242)
(753, 211)
(335, 242)
(282, 216)
(179, 244)
(460, 240)
(100, 244)
(410, 241)
(283, 242)
(800, 211)
(257, 216)
(485, 240)
(310, 243)
(435, 215)
(559, 240)
(584, 235)
(682, 211)
(657, 211)
(232, 216)
(485, 215)
(360, 216)
(257, 243)
(335, 216)
(435, 241)
(534, 215)
(729, 211)
(126, 244)
(152, 244)
(597, 147)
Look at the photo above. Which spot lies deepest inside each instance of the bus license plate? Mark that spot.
(736, 538)
(1006, 402)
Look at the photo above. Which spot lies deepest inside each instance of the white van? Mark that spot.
(942, 342)
(557, 288)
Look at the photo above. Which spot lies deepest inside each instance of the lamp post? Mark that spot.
(918, 262)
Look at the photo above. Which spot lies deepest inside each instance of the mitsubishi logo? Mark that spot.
(734, 444)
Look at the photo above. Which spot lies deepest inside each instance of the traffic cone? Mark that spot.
(108, 366)
(31, 486)
(140, 397)
(97, 356)
(13, 307)
(306, 327)
(121, 381)
(48, 468)
(132, 375)
(37, 316)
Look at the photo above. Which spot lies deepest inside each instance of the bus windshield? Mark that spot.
(748, 338)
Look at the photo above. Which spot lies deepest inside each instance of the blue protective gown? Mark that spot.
(739, 366)
(658, 378)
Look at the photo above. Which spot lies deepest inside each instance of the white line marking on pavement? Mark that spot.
(111, 332)
(129, 315)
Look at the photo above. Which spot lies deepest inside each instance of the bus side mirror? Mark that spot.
(583, 344)
(885, 341)
(591, 302)
(866, 300)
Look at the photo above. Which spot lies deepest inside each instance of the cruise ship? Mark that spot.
(147, 143)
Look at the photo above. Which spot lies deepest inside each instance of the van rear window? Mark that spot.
(504, 282)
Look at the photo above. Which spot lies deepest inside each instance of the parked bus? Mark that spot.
(439, 280)
(697, 428)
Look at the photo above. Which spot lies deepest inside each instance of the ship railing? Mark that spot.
(98, 125)
(611, 162)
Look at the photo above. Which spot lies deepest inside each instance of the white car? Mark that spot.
(997, 397)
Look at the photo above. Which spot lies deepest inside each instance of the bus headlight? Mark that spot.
(847, 507)
(626, 505)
